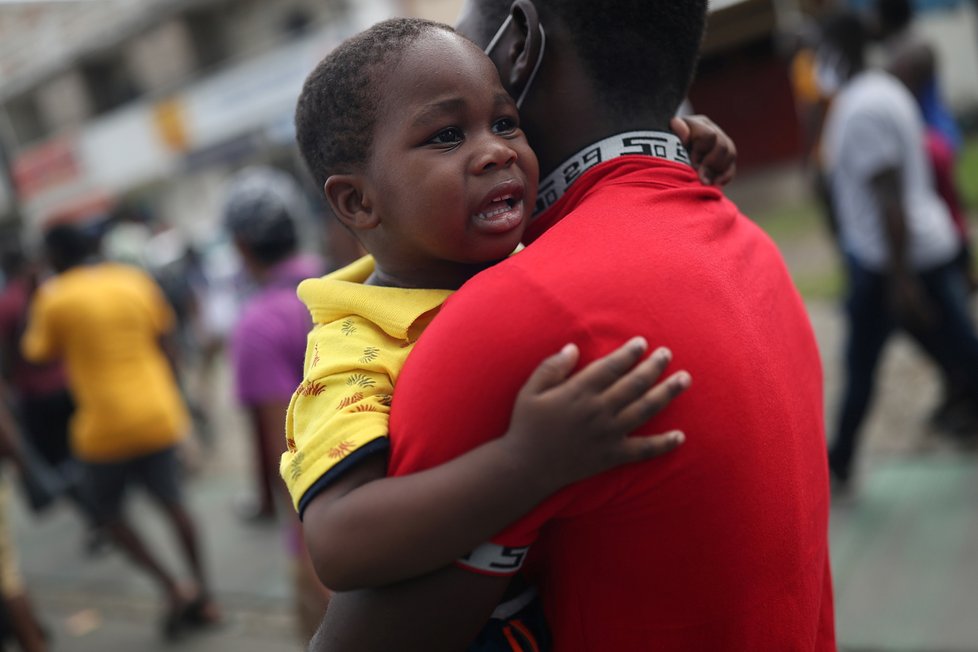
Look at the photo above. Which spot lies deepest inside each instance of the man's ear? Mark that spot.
(345, 193)
(524, 53)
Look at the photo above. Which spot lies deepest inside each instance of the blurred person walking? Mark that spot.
(132, 234)
(18, 612)
(263, 211)
(913, 60)
(895, 230)
(812, 101)
(39, 397)
(108, 322)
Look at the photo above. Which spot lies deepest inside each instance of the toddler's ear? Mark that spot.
(345, 193)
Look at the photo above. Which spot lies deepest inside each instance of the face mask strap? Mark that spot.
(498, 35)
(536, 67)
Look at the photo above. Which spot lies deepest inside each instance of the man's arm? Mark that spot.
(364, 531)
(455, 393)
(906, 293)
(39, 342)
(440, 611)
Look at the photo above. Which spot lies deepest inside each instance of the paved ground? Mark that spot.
(99, 604)
(905, 550)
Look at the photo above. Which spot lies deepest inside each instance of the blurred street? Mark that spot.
(101, 603)
(905, 548)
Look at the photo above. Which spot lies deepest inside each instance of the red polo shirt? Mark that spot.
(721, 545)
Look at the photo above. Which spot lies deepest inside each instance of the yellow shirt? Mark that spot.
(361, 336)
(803, 78)
(105, 321)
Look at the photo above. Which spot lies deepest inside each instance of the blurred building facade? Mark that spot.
(156, 102)
(743, 83)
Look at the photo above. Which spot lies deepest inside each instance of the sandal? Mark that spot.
(202, 611)
(176, 621)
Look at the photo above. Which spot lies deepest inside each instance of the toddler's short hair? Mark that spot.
(337, 109)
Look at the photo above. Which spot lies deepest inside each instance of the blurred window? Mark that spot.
(208, 34)
(25, 118)
(110, 84)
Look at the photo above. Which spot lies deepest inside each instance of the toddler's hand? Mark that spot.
(711, 151)
(568, 428)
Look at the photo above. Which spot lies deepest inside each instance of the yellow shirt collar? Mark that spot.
(342, 293)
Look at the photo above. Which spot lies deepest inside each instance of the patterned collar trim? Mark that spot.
(658, 144)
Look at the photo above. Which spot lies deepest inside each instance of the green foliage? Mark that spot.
(967, 173)
(799, 230)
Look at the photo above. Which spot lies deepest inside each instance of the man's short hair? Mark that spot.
(640, 54)
(894, 15)
(337, 109)
(68, 245)
(845, 31)
(262, 209)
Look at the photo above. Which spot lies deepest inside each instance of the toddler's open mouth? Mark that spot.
(502, 209)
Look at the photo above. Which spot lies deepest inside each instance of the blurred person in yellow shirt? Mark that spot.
(108, 321)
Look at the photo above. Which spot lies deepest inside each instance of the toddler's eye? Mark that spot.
(505, 126)
(447, 136)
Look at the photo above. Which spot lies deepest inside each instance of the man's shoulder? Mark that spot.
(519, 283)
(56, 289)
(513, 303)
(874, 90)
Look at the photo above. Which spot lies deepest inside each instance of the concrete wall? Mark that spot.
(954, 33)
(161, 57)
(444, 11)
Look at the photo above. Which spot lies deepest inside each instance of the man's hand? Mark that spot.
(910, 304)
(712, 152)
(570, 427)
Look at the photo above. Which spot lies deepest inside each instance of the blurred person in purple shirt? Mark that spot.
(263, 210)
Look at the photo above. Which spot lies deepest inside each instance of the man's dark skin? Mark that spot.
(562, 114)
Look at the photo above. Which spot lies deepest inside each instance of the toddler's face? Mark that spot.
(451, 175)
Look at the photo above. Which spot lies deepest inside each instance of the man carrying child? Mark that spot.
(719, 545)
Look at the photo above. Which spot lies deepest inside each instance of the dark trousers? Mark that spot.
(46, 420)
(951, 344)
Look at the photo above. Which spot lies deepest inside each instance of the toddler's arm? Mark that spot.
(711, 151)
(366, 530)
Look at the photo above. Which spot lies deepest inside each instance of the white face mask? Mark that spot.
(543, 46)
(830, 71)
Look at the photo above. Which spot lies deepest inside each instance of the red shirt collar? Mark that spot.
(608, 172)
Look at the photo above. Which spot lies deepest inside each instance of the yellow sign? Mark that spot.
(171, 124)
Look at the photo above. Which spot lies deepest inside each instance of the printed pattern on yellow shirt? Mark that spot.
(360, 340)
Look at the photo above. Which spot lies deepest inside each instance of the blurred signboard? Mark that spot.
(170, 117)
(126, 149)
(253, 93)
(220, 119)
(45, 167)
